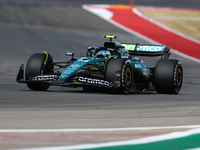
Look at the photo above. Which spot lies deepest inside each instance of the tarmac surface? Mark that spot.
(57, 27)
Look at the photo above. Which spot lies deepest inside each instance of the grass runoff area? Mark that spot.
(184, 21)
(173, 141)
(189, 142)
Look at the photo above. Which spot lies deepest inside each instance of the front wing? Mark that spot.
(76, 81)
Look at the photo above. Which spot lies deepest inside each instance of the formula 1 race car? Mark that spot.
(113, 67)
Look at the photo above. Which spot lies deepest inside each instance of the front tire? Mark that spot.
(36, 66)
(168, 76)
(120, 69)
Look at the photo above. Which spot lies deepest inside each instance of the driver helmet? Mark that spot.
(104, 54)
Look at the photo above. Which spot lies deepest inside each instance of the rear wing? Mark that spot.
(148, 50)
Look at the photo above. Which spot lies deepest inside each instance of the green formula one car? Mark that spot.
(113, 67)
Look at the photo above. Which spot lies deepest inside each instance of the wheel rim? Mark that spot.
(127, 77)
(179, 78)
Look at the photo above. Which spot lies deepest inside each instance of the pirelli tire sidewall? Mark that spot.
(168, 76)
(124, 67)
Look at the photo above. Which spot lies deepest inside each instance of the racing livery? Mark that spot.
(113, 67)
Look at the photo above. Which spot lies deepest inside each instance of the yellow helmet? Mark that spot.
(104, 54)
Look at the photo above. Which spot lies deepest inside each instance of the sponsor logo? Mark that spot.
(93, 81)
(151, 48)
(44, 77)
(147, 48)
(124, 56)
(129, 46)
(67, 72)
(138, 66)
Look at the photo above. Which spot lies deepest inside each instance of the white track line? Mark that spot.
(169, 136)
(100, 129)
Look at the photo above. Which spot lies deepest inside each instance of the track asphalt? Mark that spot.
(33, 26)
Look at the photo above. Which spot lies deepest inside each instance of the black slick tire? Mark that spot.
(120, 69)
(35, 66)
(168, 76)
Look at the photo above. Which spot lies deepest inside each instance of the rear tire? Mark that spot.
(124, 67)
(168, 76)
(36, 66)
